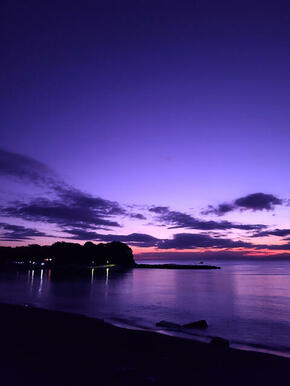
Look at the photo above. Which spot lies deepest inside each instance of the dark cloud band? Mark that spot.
(174, 219)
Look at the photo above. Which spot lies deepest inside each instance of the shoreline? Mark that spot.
(191, 335)
(205, 339)
(46, 347)
(194, 336)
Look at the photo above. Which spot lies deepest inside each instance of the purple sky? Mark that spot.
(146, 104)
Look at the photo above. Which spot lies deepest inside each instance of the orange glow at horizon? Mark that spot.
(247, 251)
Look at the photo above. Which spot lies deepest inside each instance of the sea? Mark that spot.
(246, 302)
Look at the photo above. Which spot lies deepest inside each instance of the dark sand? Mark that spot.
(42, 348)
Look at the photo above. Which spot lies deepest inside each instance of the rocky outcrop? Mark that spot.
(197, 324)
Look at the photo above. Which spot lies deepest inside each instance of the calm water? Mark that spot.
(246, 302)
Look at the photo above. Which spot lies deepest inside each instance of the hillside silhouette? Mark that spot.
(63, 254)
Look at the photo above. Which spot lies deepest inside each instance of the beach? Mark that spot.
(40, 347)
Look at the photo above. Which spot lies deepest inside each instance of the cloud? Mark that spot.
(258, 201)
(78, 199)
(220, 210)
(254, 202)
(135, 239)
(275, 232)
(10, 232)
(159, 209)
(182, 241)
(175, 219)
(68, 207)
(138, 216)
(192, 241)
(281, 247)
(71, 209)
(25, 168)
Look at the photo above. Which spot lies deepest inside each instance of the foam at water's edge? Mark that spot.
(266, 350)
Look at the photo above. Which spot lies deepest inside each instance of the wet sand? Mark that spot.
(46, 348)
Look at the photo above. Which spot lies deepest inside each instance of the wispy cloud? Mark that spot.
(174, 219)
(26, 168)
(66, 206)
(201, 240)
(18, 233)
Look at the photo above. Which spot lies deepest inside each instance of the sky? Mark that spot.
(162, 124)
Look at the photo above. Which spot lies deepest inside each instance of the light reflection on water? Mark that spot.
(245, 302)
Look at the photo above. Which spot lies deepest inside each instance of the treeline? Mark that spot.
(69, 254)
